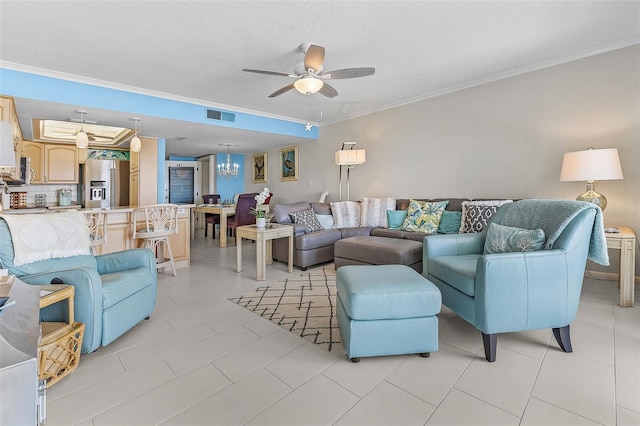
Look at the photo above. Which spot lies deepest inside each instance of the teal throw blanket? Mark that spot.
(553, 216)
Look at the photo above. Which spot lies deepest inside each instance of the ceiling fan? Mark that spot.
(310, 77)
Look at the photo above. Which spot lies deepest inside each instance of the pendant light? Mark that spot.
(135, 144)
(82, 140)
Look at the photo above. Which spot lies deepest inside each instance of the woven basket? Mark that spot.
(60, 357)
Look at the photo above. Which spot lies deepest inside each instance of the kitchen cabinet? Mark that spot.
(134, 161)
(119, 232)
(134, 189)
(143, 174)
(181, 242)
(8, 114)
(35, 151)
(60, 164)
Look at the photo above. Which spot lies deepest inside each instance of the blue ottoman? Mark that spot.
(386, 310)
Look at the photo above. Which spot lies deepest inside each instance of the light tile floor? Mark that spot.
(202, 360)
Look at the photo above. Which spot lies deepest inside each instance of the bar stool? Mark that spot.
(97, 224)
(160, 222)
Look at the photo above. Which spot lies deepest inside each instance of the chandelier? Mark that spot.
(227, 170)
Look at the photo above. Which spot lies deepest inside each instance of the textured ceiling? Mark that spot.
(195, 50)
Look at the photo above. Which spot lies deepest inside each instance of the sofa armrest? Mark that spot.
(125, 260)
(87, 301)
(525, 291)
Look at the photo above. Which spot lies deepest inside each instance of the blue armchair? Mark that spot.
(113, 292)
(516, 291)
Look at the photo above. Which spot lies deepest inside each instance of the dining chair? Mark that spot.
(243, 214)
(211, 218)
(153, 225)
(97, 224)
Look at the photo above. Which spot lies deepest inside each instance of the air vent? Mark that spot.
(213, 114)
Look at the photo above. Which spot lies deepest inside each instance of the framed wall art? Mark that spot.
(289, 164)
(259, 167)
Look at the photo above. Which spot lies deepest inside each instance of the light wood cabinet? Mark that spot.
(143, 177)
(8, 114)
(60, 163)
(35, 151)
(134, 161)
(119, 232)
(134, 189)
(181, 242)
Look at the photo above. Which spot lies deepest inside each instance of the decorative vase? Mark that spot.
(261, 222)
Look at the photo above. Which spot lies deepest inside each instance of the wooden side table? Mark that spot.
(625, 241)
(59, 349)
(263, 237)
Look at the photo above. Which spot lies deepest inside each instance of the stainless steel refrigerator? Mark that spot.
(104, 183)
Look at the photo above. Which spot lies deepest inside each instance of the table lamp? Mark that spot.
(591, 165)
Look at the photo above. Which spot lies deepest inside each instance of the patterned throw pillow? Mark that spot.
(507, 239)
(424, 216)
(346, 214)
(374, 211)
(476, 214)
(308, 218)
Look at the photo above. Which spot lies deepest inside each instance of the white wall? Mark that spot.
(501, 139)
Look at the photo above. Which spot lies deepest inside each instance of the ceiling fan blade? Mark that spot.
(349, 73)
(279, 92)
(314, 58)
(282, 74)
(328, 91)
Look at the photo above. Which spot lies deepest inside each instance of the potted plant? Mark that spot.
(259, 213)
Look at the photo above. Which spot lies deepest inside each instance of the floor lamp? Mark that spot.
(349, 157)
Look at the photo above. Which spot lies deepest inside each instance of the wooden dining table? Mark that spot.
(224, 212)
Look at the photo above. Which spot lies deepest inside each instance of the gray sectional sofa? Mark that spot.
(351, 245)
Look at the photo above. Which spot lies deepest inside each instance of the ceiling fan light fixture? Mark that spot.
(135, 145)
(82, 140)
(308, 85)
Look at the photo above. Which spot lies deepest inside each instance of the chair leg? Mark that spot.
(490, 342)
(563, 338)
(213, 231)
(206, 228)
(173, 265)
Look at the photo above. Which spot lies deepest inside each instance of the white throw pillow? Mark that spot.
(326, 220)
(346, 213)
(374, 211)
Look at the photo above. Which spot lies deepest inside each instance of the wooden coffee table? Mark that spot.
(263, 237)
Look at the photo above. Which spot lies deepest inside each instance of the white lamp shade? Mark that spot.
(82, 140)
(308, 85)
(591, 165)
(7, 152)
(347, 157)
(135, 144)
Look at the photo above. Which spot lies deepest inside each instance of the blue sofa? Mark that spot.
(113, 292)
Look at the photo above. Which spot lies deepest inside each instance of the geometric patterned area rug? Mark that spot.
(304, 305)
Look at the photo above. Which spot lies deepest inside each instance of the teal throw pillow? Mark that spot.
(424, 216)
(396, 218)
(450, 222)
(507, 239)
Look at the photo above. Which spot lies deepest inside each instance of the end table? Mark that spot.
(625, 241)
